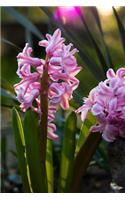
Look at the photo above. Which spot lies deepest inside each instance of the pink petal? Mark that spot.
(43, 43)
(97, 109)
(55, 61)
(121, 73)
(110, 73)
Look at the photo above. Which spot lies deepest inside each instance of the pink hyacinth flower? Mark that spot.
(27, 90)
(53, 43)
(60, 93)
(62, 69)
(25, 61)
(107, 104)
(66, 63)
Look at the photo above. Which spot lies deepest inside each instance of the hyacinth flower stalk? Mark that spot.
(50, 85)
(57, 74)
(107, 103)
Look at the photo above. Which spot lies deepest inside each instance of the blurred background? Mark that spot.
(98, 33)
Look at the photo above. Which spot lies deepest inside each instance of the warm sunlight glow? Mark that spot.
(105, 9)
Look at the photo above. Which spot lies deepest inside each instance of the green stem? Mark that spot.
(49, 166)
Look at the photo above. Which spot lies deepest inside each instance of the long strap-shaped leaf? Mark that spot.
(84, 131)
(7, 94)
(11, 44)
(97, 19)
(121, 28)
(67, 153)
(8, 99)
(20, 143)
(24, 21)
(49, 166)
(83, 158)
(33, 150)
(97, 49)
(6, 85)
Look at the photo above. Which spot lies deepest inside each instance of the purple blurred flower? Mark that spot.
(67, 14)
(107, 104)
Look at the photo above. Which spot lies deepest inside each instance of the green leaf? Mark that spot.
(28, 37)
(7, 105)
(11, 44)
(37, 169)
(83, 158)
(20, 147)
(7, 94)
(8, 99)
(49, 165)
(91, 64)
(121, 28)
(84, 131)
(14, 153)
(67, 153)
(97, 19)
(95, 45)
(7, 86)
(24, 21)
(83, 135)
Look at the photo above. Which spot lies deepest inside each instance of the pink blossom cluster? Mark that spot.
(62, 69)
(107, 104)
